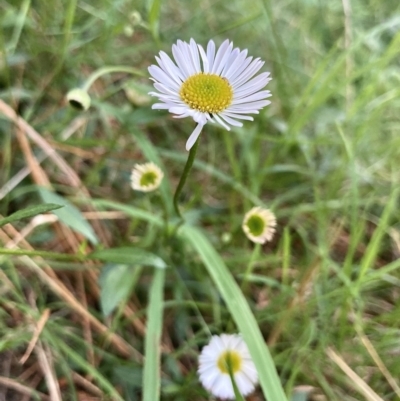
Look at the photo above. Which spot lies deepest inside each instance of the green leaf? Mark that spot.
(151, 369)
(240, 311)
(116, 283)
(70, 215)
(154, 17)
(29, 212)
(129, 256)
(300, 396)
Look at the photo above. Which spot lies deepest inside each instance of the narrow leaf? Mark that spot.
(151, 370)
(29, 212)
(154, 17)
(129, 256)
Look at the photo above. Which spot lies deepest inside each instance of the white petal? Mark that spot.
(209, 378)
(178, 110)
(187, 53)
(240, 108)
(211, 53)
(199, 117)
(224, 59)
(195, 55)
(223, 388)
(236, 64)
(167, 91)
(193, 137)
(218, 119)
(248, 73)
(170, 66)
(250, 370)
(233, 122)
(266, 94)
(220, 55)
(244, 384)
(256, 96)
(165, 98)
(162, 77)
(166, 68)
(206, 64)
(160, 106)
(253, 85)
(180, 59)
(231, 59)
(238, 116)
(184, 115)
(239, 69)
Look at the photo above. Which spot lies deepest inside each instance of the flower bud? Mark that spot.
(79, 99)
(135, 18)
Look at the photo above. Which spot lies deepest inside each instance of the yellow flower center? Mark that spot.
(148, 178)
(229, 360)
(208, 93)
(256, 225)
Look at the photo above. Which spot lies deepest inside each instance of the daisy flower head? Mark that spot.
(216, 85)
(259, 225)
(146, 177)
(224, 352)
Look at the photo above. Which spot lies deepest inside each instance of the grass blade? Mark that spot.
(151, 370)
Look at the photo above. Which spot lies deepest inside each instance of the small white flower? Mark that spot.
(259, 225)
(146, 177)
(213, 366)
(209, 85)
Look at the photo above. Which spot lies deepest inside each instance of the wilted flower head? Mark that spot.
(224, 352)
(209, 85)
(259, 225)
(146, 177)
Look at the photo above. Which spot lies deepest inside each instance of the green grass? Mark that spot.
(324, 156)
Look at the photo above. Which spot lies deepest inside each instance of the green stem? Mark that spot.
(238, 394)
(188, 166)
(255, 254)
(107, 70)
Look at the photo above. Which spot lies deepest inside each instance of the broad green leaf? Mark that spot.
(240, 311)
(29, 212)
(152, 370)
(70, 215)
(116, 283)
(129, 256)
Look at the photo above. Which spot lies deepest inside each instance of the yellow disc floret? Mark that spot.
(208, 93)
(229, 360)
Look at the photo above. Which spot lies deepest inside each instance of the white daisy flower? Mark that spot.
(223, 351)
(259, 225)
(209, 85)
(146, 177)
